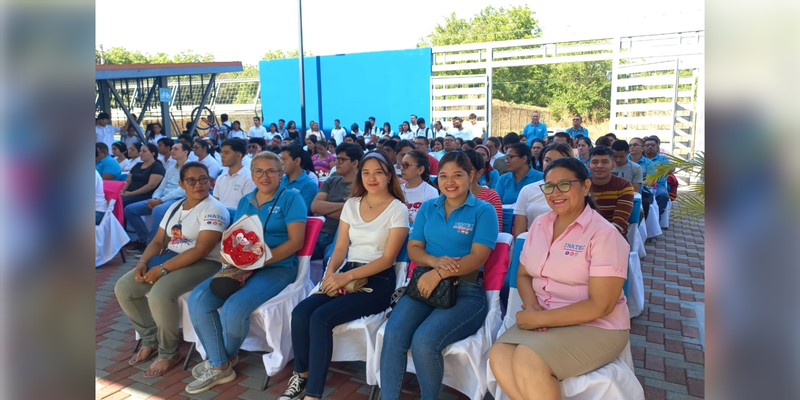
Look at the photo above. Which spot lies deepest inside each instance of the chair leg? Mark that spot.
(374, 392)
(137, 345)
(265, 383)
(122, 254)
(188, 357)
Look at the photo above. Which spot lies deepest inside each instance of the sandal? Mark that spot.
(153, 353)
(172, 363)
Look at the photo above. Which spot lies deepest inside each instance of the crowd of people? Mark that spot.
(443, 191)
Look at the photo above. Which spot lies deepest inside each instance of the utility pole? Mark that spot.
(302, 84)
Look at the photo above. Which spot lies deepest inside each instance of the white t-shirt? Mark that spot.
(313, 177)
(258, 132)
(126, 169)
(213, 166)
(100, 203)
(105, 134)
(169, 163)
(185, 226)
(155, 139)
(338, 135)
(129, 140)
(191, 157)
(232, 134)
(407, 135)
(465, 134)
(229, 189)
(531, 202)
(318, 134)
(368, 239)
(416, 196)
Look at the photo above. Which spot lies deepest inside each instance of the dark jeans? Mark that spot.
(647, 200)
(98, 216)
(322, 248)
(314, 318)
(662, 198)
(134, 199)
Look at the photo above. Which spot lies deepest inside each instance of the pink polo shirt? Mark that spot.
(590, 246)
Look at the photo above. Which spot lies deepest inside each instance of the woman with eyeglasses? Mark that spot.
(222, 323)
(518, 161)
(186, 249)
(371, 233)
(574, 316)
(531, 202)
(416, 171)
(144, 177)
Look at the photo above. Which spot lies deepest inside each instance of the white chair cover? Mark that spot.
(635, 285)
(634, 239)
(109, 237)
(653, 227)
(665, 216)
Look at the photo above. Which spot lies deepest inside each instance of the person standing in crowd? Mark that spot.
(473, 126)
(417, 189)
(566, 327)
(459, 131)
(104, 132)
(413, 126)
(518, 162)
(225, 127)
(481, 192)
(203, 152)
(354, 130)
(292, 132)
(235, 181)
(509, 140)
(423, 130)
(119, 151)
(488, 176)
(440, 240)
(106, 166)
(576, 129)
(374, 130)
(651, 147)
(222, 323)
(314, 131)
(372, 230)
(192, 229)
(332, 195)
(624, 168)
(370, 134)
(531, 202)
(294, 161)
(614, 196)
(422, 144)
(282, 129)
(323, 160)
(134, 158)
(272, 131)
(155, 133)
(257, 130)
(144, 178)
(439, 130)
(648, 191)
(236, 131)
(131, 136)
(534, 130)
(562, 137)
(536, 151)
(337, 133)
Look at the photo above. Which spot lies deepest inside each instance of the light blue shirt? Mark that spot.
(303, 185)
(508, 188)
(438, 155)
(657, 160)
(286, 209)
(169, 188)
(575, 132)
(647, 166)
(494, 177)
(472, 222)
(535, 132)
(108, 165)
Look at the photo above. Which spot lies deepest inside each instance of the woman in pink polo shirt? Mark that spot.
(572, 268)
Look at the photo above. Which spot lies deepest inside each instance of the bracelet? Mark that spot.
(437, 273)
(141, 261)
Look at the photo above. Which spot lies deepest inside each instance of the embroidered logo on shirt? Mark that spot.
(214, 219)
(463, 227)
(573, 250)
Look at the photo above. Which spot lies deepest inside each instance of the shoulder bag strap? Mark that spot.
(273, 208)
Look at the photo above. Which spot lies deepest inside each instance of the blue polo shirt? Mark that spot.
(586, 163)
(108, 165)
(575, 132)
(494, 176)
(508, 188)
(474, 221)
(660, 159)
(303, 185)
(647, 166)
(288, 208)
(535, 132)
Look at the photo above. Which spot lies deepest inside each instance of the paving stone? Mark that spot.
(111, 344)
(670, 387)
(100, 374)
(207, 395)
(102, 363)
(117, 335)
(253, 394)
(106, 353)
(141, 390)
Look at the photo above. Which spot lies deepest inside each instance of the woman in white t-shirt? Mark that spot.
(184, 253)
(417, 173)
(202, 149)
(236, 132)
(531, 202)
(371, 233)
(154, 133)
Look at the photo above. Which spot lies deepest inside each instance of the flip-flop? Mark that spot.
(133, 361)
(173, 363)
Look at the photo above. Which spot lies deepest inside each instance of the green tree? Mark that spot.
(279, 54)
(120, 55)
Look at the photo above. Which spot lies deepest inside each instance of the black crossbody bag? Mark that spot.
(443, 296)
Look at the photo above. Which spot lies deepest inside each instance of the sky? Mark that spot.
(236, 30)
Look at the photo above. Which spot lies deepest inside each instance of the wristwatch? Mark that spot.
(163, 270)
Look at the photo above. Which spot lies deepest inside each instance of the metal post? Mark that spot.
(302, 71)
(147, 102)
(165, 123)
(202, 103)
(489, 81)
(675, 105)
(127, 113)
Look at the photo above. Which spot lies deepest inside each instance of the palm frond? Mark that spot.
(690, 207)
(691, 204)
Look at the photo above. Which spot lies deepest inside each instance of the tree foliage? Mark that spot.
(120, 55)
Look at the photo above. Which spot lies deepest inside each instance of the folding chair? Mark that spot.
(665, 217)
(110, 236)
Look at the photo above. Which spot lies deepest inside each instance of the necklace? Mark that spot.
(371, 207)
(191, 210)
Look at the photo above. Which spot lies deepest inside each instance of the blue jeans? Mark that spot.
(98, 217)
(662, 198)
(315, 317)
(134, 213)
(223, 332)
(427, 331)
(323, 248)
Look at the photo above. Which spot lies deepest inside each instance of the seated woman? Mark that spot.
(537, 145)
(222, 332)
(454, 234)
(574, 317)
(518, 161)
(417, 189)
(144, 178)
(481, 192)
(323, 159)
(192, 228)
(119, 151)
(133, 157)
(489, 176)
(531, 202)
(372, 230)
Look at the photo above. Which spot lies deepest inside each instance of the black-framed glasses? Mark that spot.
(635, 145)
(192, 181)
(271, 173)
(563, 187)
(651, 145)
(511, 156)
(406, 165)
(253, 146)
(343, 159)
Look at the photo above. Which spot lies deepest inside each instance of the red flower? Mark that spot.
(238, 231)
(251, 236)
(239, 259)
(227, 243)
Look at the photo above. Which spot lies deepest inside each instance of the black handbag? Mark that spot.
(443, 296)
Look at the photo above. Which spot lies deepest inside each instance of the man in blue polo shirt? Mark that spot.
(651, 148)
(636, 156)
(106, 166)
(534, 130)
(577, 129)
(295, 177)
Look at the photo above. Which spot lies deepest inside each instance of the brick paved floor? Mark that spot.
(665, 339)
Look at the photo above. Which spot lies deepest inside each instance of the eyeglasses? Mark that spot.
(651, 145)
(253, 146)
(406, 165)
(511, 156)
(343, 159)
(192, 181)
(271, 173)
(635, 145)
(563, 187)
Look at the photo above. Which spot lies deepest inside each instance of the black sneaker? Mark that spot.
(296, 389)
(140, 246)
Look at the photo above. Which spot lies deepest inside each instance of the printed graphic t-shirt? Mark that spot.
(209, 214)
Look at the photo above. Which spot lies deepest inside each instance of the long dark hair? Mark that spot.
(578, 168)
(358, 189)
(152, 134)
(523, 150)
(478, 163)
(422, 160)
(121, 147)
(153, 149)
(458, 157)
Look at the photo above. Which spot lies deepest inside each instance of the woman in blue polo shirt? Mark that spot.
(223, 332)
(520, 173)
(454, 234)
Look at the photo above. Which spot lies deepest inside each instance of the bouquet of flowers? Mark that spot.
(243, 245)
